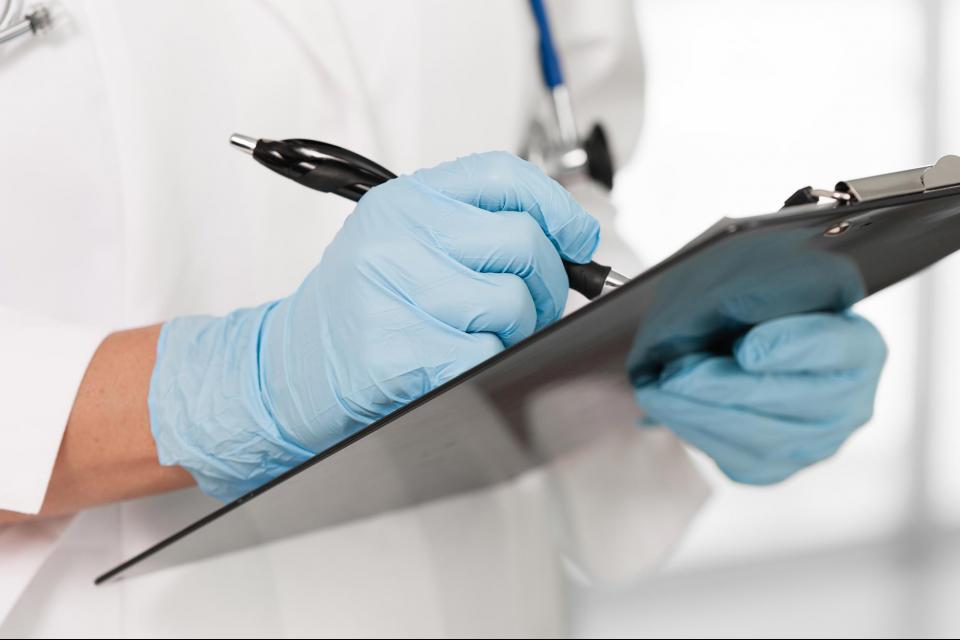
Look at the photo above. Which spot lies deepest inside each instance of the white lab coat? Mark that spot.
(122, 205)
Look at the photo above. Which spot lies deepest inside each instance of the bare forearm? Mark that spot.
(108, 453)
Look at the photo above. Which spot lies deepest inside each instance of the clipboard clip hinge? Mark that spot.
(945, 173)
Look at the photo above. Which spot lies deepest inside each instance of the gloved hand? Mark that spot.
(430, 275)
(792, 392)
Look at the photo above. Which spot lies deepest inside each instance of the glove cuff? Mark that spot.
(206, 407)
(309, 415)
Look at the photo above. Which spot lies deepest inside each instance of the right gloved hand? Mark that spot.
(430, 275)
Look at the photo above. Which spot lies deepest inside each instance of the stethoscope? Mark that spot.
(15, 23)
(557, 147)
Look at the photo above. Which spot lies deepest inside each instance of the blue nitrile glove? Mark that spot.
(430, 275)
(793, 391)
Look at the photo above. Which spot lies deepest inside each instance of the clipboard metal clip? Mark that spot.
(945, 173)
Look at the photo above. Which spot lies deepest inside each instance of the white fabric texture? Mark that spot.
(39, 353)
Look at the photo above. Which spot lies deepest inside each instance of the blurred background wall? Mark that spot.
(749, 100)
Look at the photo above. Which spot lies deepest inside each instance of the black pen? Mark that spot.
(332, 169)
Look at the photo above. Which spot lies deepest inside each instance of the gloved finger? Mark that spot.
(834, 399)
(749, 467)
(470, 349)
(429, 355)
(472, 302)
(512, 243)
(499, 181)
(811, 342)
(748, 448)
(450, 282)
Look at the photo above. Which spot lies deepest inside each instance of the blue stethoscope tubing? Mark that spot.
(549, 60)
(552, 73)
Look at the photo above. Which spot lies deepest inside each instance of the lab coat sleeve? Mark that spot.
(43, 364)
(599, 48)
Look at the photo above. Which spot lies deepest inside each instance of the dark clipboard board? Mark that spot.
(476, 430)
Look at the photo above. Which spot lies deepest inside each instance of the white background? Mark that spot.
(748, 100)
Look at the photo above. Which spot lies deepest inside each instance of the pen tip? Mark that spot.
(244, 143)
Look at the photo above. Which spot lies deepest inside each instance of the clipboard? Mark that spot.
(825, 250)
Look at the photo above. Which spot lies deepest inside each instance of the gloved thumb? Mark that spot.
(811, 342)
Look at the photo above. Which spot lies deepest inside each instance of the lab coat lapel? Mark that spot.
(318, 29)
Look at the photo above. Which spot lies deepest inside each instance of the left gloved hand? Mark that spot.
(791, 393)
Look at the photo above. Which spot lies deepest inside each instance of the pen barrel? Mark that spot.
(588, 279)
(321, 166)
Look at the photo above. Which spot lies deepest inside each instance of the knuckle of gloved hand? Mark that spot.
(811, 456)
(515, 301)
(760, 473)
(526, 236)
(876, 345)
(403, 378)
(812, 445)
(648, 397)
(796, 451)
(387, 257)
(387, 193)
(687, 375)
(396, 389)
(377, 258)
(483, 347)
(499, 168)
(857, 417)
(463, 357)
(754, 349)
(853, 410)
